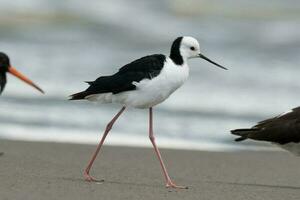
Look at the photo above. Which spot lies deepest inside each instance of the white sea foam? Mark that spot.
(115, 138)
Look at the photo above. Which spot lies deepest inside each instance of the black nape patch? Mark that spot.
(175, 52)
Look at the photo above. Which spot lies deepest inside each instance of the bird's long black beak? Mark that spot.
(209, 60)
(18, 74)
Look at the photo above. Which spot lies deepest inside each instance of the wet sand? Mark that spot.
(36, 170)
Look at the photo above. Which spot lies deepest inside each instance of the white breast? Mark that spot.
(152, 92)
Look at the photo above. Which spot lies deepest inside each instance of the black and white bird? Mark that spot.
(282, 130)
(5, 67)
(143, 84)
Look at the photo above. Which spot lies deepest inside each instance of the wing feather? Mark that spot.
(281, 129)
(146, 67)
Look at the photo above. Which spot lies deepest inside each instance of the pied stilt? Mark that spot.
(144, 83)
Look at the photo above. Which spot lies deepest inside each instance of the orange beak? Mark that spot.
(18, 74)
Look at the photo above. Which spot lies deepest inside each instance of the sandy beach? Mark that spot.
(36, 170)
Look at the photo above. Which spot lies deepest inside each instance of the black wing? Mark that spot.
(2, 81)
(146, 67)
(281, 129)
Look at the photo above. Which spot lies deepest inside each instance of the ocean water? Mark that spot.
(61, 44)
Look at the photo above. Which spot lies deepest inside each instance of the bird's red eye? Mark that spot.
(192, 48)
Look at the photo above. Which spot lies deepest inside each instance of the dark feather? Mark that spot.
(2, 81)
(281, 129)
(146, 67)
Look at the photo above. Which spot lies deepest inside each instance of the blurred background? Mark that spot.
(61, 44)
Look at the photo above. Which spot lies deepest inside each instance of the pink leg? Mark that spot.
(169, 183)
(108, 128)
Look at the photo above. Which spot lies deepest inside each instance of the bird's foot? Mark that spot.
(172, 185)
(89, 178)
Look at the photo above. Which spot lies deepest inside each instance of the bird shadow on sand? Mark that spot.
(1, 153)
(259, 185)
(101, 181)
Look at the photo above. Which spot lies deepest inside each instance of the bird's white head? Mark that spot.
(189, 47)
(186, 47)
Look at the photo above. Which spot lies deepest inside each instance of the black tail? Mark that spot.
(243, 133)
(78, 96)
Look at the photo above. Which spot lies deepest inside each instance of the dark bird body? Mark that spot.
(283, 130)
